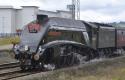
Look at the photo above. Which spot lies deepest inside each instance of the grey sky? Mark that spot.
(91, 10)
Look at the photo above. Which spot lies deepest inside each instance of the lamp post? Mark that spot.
(3, 24)
(75, 9)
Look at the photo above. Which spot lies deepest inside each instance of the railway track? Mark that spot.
(9, 65)
(15, 74)
(12, 70)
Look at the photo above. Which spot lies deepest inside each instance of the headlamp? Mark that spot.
(26, 47)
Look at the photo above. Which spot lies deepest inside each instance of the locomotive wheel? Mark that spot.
(26, 67)
(23, 67)
(101, 54)
(74, 59)
(91, 54)
(69, 60)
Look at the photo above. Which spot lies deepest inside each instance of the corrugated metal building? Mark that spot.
(12, 19)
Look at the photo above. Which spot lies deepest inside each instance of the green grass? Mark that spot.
(9, 40)
(106, 70)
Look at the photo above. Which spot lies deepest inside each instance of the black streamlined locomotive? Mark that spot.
(58, 42)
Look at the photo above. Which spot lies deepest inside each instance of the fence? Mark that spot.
(4, 35)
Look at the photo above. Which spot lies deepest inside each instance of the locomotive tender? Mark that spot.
(60, 42)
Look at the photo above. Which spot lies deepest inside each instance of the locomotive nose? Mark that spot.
(36, 57)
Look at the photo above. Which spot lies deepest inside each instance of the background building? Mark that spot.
(12, 19)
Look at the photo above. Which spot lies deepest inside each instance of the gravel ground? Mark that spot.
(107, 69)
(6, 55)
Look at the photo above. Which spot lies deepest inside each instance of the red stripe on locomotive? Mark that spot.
(33, 26)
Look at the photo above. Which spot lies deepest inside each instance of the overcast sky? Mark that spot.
(91, 10)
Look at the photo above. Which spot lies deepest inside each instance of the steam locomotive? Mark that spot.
(50, 43)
